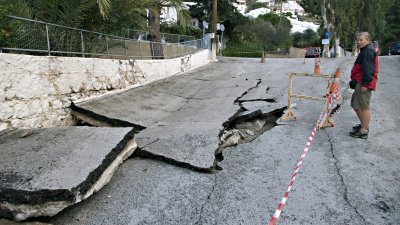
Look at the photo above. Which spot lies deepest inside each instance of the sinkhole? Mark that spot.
(246, 127)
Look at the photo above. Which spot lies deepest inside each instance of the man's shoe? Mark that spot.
(362, 133)
(357, 127)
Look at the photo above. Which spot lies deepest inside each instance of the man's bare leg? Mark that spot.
(358, 112)
(365, 116)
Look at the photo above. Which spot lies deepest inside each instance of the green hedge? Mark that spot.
(241, 53)
(3, 29)
(242, 50)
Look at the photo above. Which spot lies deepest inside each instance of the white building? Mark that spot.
(269, 2)
(301, 26)
(294, 7)
(169, 14)
(256, 12)
(240, 6)
(291, 6)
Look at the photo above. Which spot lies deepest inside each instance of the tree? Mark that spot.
(336, 16)
(154, 19)
(282, 26)
(298, 40)
(270, 17)
(176, 29)
(371, 17)
(392, 25)
(263, 33)
(227, 14)
(105, 6)
(344, 18)
(84, 14)
(308, 38)
(4, 30)
(99, 15)
(254, 4)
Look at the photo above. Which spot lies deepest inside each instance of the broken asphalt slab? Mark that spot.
(10, 222)
(44, 171)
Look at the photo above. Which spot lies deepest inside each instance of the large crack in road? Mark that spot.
(91, 118)
(336, 161)
(242, 127)
(341, 178)
(199, 221)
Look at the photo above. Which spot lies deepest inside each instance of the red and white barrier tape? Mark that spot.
(333, 97)
(278, 211)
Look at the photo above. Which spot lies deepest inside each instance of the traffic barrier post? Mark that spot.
(317, 69)
(289, 114)
(263, 57)
(333, 94)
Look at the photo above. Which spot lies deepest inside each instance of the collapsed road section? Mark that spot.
(44, 171)
(183, 115)
(246, 128)
(187, 128)
(241, 128)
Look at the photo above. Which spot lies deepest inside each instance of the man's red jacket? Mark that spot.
(365, 69)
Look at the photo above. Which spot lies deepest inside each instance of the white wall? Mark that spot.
(36, 91)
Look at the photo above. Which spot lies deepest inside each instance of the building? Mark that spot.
(256, 12)
(291, 6)
(240, 6)
(170, 14)
(269, 2)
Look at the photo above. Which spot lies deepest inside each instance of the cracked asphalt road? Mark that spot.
(342, 180)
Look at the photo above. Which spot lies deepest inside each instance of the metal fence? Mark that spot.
(165, 37)
(40, 38)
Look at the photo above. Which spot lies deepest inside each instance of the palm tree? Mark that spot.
(154, 8)
(97, 15)
(104, 6)
(154, 19)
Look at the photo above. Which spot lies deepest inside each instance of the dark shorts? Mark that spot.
(360, 99)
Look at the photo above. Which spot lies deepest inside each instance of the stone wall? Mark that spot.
(36, 91)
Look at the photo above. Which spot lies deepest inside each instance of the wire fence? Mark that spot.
(41, 38)
(165, 37)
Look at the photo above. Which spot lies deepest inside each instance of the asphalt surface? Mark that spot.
(343, 180)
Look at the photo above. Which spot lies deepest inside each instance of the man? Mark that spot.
(365, 73)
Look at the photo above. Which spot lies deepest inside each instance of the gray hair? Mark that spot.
(364, 34)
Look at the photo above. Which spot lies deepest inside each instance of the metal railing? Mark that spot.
(165, 37)
(41, 38)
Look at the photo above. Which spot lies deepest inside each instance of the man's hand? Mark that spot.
(363, 88)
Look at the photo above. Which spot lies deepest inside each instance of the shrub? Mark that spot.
(242, 50)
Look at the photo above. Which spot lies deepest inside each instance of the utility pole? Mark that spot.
(214, 30)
